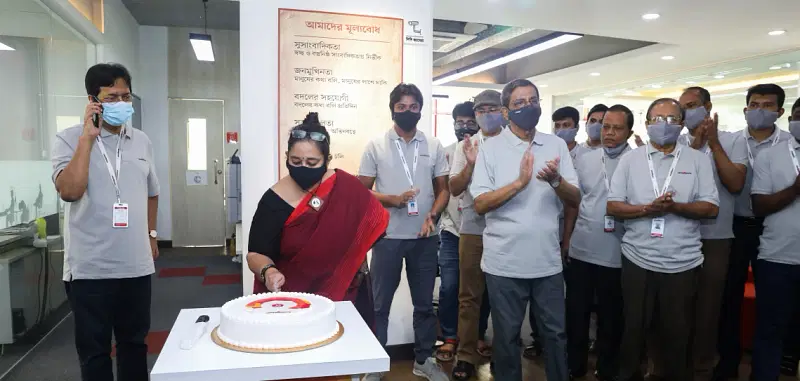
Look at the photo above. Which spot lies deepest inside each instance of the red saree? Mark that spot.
(322, 251)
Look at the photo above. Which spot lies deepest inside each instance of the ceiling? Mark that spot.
(625, 50)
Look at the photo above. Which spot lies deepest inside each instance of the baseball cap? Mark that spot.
(487, 98)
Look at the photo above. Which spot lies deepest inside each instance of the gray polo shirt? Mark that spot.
(521, 236)
(742, 206)
(94, 249)
(734, 146)
(451, 217)
(471, 222)
(590, 242)
(773, 172)
(382, 161)
(679, 249)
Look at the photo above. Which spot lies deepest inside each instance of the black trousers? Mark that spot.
(105, 306)
(743, 255)
(584, 281)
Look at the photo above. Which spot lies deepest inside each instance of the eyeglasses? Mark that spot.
(669, 119)
(462, 124)
(302, 134)
(490, 110)
(111, 98)
(519, 103)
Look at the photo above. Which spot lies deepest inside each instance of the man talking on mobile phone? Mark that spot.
(105, 169)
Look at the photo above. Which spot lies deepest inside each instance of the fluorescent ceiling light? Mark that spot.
(543, 86)
(667, 58)
(777, 32)
(5, 47)
(595, 74)
(201, 43)
(650, 16)
(776, 67)
(719, 76)
(690, 82)
(504, 59)
(655, 86)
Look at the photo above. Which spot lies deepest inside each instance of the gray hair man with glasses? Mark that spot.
(662, 191)
(521, 254)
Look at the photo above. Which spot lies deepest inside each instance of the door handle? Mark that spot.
(217, 171)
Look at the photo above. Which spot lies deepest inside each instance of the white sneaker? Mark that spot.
(430, 370)
(373, 376)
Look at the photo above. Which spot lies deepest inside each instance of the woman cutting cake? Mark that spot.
(312, 229)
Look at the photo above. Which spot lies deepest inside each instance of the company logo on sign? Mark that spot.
(414, 33)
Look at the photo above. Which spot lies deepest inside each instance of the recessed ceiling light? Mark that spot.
(719, 76)
(543, 86)
(777, 32)
(607, 94)
(776, 67)
(667, 58)
(690, 82)
(650, 16)
(655, 86)
(595, 74)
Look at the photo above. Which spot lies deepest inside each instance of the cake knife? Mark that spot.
(199, 330)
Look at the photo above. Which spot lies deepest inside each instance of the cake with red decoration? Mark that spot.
(278, 321)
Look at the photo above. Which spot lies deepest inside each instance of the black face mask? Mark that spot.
(306, 177)
(460, 132)
(406, 120)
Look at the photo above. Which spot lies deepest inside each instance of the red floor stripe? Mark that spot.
(155, 342)
(181, 272)
(222, 279)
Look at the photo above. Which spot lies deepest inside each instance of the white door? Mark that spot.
(197, 172)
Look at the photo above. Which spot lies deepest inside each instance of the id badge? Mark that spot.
(657, 228)
(413, 209)
(608, 226)
(120, 215)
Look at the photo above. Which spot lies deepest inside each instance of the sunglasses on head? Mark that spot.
(302, 134)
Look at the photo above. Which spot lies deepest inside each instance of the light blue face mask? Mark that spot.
(594, 130)
(761, 119)
(117, 113)
(490, 122)
(794, 129)
(568, 134)
(694, 117)
(615, 151)
(663, 133)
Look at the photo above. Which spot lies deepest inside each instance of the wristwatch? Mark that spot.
(153, 234)
(555, 183)
(263, 272)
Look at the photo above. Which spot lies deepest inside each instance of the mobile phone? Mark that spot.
(96, 117)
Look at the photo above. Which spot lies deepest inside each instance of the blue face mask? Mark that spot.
(117, 113)
(615, 151)
(694, 117)
(794, 129)
(491, 122)
(663, 133)
(594, 130)
(527, 117)
(761, 119)
(568, 134)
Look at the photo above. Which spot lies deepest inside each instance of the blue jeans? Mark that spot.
(777, 291)
(509, 297)
(421, 264)
(448, 289)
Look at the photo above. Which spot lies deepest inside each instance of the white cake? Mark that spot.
(278, 320)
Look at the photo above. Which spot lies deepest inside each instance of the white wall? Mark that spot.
(152, 88)
(259, 94)
(121, 39)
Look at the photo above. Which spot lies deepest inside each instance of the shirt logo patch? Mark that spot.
(684, 173)
(143, 159)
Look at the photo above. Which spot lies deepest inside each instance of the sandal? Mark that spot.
(463, 371)
(484, 350)
(447, 352)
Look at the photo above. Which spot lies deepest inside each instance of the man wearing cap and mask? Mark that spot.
(409, 172)
(521, 254)
(473, 304)
(594, 252)
(464, 125)
(776, 197)
(729, 162)
(661, 191)
(105, 169)
(764, 107)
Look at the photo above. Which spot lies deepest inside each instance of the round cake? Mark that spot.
(277, 321)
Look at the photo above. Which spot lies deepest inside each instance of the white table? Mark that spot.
(356, 352)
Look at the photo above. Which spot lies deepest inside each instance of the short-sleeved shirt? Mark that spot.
(590, 242)
(743, 207)
(679, 248)
(521, 236)
(94, 248)
(580, 149)
(774, 171)
(471, 222)
(382, 161)
(451, 217)
(734, 146)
